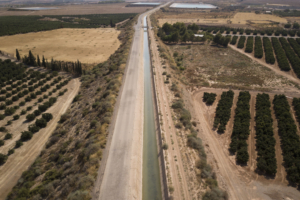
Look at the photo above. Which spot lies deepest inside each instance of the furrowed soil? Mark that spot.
(86, 45)
(84, 9)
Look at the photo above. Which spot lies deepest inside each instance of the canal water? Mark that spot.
(151, 174)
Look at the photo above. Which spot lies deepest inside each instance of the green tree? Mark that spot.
(296, 25)
(18, 55)
(175, 37)
(44, 62)
(38, 61)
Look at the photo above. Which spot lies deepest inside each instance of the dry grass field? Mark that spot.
(242, 18)
(84, 9)
(221, 18)
(87, 45)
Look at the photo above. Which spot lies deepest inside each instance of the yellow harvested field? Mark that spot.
(238, 18)
(86, 45)
(200, 21)
(242, 18)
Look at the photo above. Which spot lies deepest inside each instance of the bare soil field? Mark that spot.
(84, 9)
(24, 156)
(230, 18)
(86, 45)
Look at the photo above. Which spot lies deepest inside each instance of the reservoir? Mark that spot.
(192, 5)
(37, 8)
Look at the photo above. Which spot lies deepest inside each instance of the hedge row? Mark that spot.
(234, 40)
(223, 111)
(240, 132)
(209, 98)
(241, 42)
(268, 51)
(249, 45)
(296, 105)
(280, 55)
(295, 45)
(258, 51)
(265, 141)
(293, 58)
(290, 142)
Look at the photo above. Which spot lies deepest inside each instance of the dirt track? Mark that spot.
(24, 156)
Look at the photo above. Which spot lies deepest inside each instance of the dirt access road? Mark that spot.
(24, 156)
(122, 174)
(174, 160)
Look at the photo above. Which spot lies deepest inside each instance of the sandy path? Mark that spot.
(262, 62)
(23, 157)
(177, 171)
(251, 139)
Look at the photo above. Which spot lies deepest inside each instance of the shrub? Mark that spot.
(76, 98)
(8, 102)
(8, 136)
(209, 98)
(2, 117)
(18, 144)
(2, 106)
(165, 146)
(3, 158)
(11, 151)
(37, 112)
(42, 123)
(47, 116)
(26, 135)
(23, 112)
(30, 117)
(16, 117)
(33, 128)
(29, 108)
(9, 111)
(22, 103)
(44, 107)
(28, 99)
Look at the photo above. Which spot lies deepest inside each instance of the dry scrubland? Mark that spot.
(87, 45)
(79, 10)
(220, 18)
(209, 65)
